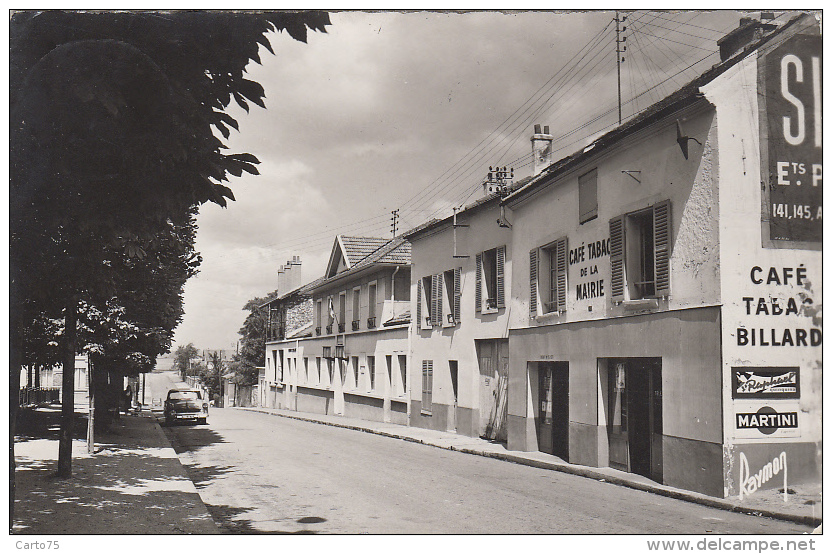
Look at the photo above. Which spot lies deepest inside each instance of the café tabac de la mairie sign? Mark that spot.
(795, 154)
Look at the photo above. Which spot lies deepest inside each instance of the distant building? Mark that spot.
(353, 359)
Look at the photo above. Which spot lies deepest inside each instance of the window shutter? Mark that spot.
(661, 244)
(436, 315)
(561, 274)
(419, 304)
(501, 286)
(478, 292)
(617, 259)
(533, 283)
(457, 294)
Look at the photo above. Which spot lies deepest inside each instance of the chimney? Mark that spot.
(541, 149)
(288, 276)
(749, 30)
(281, 280)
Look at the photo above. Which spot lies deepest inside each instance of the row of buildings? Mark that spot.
(652, 302)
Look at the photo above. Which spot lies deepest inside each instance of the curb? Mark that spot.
(164, 439)
(676, 494)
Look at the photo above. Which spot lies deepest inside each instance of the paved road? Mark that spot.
(261, 473)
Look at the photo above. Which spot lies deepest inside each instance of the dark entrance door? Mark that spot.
(553, 408)
(635, 407)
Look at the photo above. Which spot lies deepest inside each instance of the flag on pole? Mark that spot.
(332, 311)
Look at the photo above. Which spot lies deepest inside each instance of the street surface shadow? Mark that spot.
(202, 475)
(45, 423)
(226, 517)
(192, 438)
(108, 491)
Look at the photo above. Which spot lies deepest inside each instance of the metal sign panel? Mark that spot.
(793, 93)
(765, 382)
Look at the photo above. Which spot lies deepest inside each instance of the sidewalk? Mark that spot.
(132, 484)
(804, 506)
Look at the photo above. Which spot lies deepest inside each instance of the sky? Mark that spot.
(406, 111)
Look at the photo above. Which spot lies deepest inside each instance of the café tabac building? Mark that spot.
(666, 292)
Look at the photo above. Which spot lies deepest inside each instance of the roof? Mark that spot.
(471, 208)
(683, 97)
(358, 248)
(400, 319)
(390, 252)
(297, 291)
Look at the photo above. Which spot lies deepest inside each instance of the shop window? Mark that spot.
(427, 386)
(490, 285)
(355, 370)
(640, 254)
(588, 196)
(402, 374)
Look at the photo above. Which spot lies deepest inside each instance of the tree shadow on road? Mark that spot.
(227, 517)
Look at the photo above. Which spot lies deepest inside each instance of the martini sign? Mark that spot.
(793, 93)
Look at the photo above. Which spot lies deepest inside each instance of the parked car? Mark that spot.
(185, 405)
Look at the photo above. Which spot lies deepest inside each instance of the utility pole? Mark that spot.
(618, 57)
(395, 221)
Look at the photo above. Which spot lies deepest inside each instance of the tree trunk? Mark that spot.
(68, 389)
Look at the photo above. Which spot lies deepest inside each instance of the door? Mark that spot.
(553, 408)
(492, 357)
(454, 370)
(635, 423)
(338, 386)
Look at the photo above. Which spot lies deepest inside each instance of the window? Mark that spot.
(306, 370)
(403, 374)
(355, 370)
(640, 254)
(356, 309)
(588, 196)
(453, 283)
(371, 371)
(424, 302)
(547, 275)
(318, 314)
(342, 311)
(318, 370)
(490, 286)
(371, 305)
(427, 386)
(330, 316)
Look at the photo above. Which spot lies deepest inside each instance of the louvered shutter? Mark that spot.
(436, 315)
(478, 291)
(501, 280)
(419, 304)
(617, 281)
(661, 245)
(561, 268)
(457, 294)
(533, 283)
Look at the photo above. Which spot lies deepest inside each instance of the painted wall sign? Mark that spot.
(793, 92)
(765, 382)
(751, 482)
(771, 305)
(590, 284)
(772, 420)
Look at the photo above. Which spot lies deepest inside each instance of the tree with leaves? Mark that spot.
(112, 136)
(182, 359)
(252, 353)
